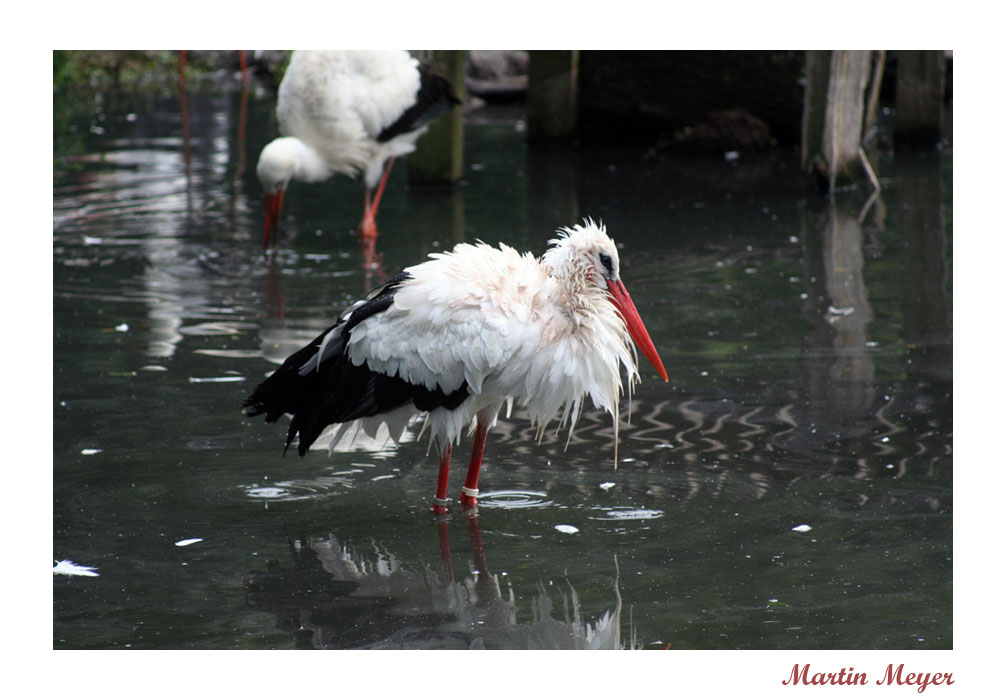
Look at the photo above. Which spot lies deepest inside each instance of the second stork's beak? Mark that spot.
(636, 328)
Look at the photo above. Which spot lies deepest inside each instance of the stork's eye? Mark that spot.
(606, 261)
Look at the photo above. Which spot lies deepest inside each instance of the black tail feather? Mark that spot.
(337, 390)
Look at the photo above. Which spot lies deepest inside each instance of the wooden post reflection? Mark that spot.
(840, 370)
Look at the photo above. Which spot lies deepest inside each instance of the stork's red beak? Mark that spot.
(636, 328)
(272, 209)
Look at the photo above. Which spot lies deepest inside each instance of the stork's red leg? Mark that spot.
(441, 495)
(470, 492)
(381, 185)
(368, 229)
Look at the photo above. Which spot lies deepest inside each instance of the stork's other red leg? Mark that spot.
(368, 229)
(381, 185)
(441, 495)
(470, 492)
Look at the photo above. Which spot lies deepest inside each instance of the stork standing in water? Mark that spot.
(344, 112)
(457, 337)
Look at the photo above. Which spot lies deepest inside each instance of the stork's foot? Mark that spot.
(440, 506)
(469, 500)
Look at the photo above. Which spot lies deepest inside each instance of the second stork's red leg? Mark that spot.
(368, 229)
(381, 185)
(470, 492)
(440, 506)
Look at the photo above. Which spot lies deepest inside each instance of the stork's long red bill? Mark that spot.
(272, 209)
(636, 328)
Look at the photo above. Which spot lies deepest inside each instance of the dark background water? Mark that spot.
(808, 342)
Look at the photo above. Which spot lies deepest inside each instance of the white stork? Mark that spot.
(458, 336)
(344, 112)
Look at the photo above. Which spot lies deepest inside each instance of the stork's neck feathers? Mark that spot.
(572, 264)
(582, 262)
(288, 158)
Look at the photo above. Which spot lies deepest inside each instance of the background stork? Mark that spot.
(457, 337)
(345, 112)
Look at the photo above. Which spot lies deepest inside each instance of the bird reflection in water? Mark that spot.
(334, 597)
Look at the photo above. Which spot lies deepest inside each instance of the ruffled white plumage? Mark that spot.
(514, 328)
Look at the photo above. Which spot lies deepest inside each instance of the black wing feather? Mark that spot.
(435, 97)
(340, 391)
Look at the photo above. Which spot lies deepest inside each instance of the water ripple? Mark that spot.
(514, 499)
(297, 490)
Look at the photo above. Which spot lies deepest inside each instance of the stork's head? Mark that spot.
(584, 257)
(281, 161)
(275, 168)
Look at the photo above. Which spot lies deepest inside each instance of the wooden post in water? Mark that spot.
(553, 95)
(440, 152)
(920, 78)
(833, 117)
